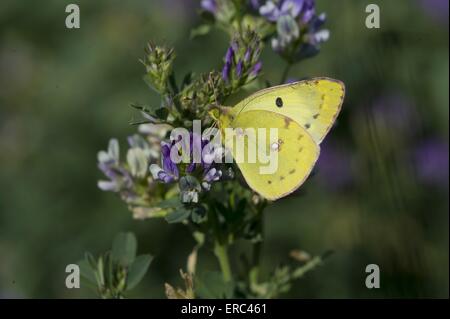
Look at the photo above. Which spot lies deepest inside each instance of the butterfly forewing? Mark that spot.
(314, 104)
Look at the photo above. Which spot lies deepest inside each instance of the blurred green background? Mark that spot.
(379, 194)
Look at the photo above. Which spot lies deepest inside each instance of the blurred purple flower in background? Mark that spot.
(394, 114)
(255, 4)
(436, 9)
(334, 167)
(209, 5)
(431, 162)
(108, 163)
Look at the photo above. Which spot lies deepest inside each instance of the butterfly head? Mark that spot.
(214, 112)
(221, 114)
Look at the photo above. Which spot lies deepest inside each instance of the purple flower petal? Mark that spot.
(229, 56)
(212, 175)
(255, 4)
(292, 7)
(209, 5)
(226, 72)
(166, 178)
(270, 11)
(109, 186)
(309, 11)
(256, 69)
(190, 168)
(248, 55)
(239, 68)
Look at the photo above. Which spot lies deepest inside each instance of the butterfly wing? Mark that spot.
(295, 149)
(314, 104)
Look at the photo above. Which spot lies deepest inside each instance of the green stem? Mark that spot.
(222, 255)
(257, 248)
(285, 73)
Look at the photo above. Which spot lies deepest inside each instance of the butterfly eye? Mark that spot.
(279, 102)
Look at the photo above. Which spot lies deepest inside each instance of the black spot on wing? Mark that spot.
(279, 102)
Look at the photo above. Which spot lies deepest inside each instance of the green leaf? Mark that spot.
(173, 202)
(200, 30)
(211, 285)
(178, 215)
(100, 269)
(110, 271)
(137, 270)
(124, 249)
(87, 272)
(162, 113)
(154, 111)
(199, 214)
(91, 260)
(207, 16)
(173, 83)
(187, 80)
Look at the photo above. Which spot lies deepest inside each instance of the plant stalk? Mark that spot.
(285, 73)
(222, 256)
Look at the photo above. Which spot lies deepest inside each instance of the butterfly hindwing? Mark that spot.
(296, 150)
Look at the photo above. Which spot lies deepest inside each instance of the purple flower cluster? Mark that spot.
(241, 62)
(299, 32)
(123, 177)
(436, 9)
(170, 171)
(128, 177)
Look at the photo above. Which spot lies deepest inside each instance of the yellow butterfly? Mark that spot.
(302, 112)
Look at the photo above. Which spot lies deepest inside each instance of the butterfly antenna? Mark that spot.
(250, 98)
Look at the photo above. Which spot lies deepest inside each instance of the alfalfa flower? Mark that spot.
(192, 177)
(108, 163)
(241, 61)
(299, 32)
